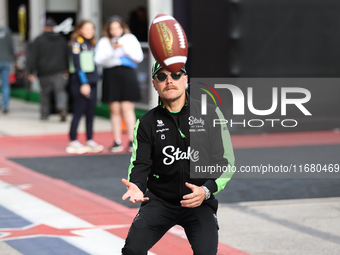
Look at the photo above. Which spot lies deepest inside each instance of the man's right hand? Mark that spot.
(134, 193)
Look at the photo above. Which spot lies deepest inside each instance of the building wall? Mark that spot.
(110, 7)
(265, 38)
(62, 5)
(210, 38)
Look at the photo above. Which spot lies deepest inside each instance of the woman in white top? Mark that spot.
(119, 53)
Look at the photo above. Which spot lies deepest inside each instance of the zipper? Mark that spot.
(181, 171)
(180, 131)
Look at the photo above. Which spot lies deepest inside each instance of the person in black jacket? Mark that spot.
(83, 86)
(169, 141)
(49, 58)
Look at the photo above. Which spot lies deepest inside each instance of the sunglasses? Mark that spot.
(163, 76)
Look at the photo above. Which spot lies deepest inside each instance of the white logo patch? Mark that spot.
(160, 123)
(196, 124)
(177, 154)
(162, 130)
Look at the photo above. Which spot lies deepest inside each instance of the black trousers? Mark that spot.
(82, 106)
(156, 217)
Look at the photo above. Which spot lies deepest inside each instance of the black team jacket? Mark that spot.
(167, 145)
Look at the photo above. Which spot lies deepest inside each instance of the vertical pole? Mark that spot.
(155, 7)
(3, 13)
(91, 10)
(37, 15)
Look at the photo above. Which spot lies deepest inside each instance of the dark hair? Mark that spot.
(106, 30)
(76, 32)
(50, 22)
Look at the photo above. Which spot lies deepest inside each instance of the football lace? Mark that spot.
(180, 36)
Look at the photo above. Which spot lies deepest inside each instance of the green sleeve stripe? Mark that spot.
(228, 154)
(135, 146)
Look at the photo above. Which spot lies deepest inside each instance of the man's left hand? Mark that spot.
(195, 198)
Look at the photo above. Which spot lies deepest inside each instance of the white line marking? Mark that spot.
(94, 241)
(5, 171)
(174, 60)
(162, 18)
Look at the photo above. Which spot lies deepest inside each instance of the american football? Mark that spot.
(168, 42)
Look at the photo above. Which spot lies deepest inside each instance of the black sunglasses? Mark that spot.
(163, 76)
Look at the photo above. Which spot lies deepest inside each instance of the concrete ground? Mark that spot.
(24, 119)
(294, 227)
(276, 227)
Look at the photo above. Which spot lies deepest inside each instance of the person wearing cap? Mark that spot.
(48, 57)
(159, 175)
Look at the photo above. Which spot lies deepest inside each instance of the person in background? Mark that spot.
(83, 86)
(7, 56)
(49, 57)
(119, 52)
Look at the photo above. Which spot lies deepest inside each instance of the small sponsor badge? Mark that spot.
(80, 39)
(75, 48)
(84, 47)
(160, 123)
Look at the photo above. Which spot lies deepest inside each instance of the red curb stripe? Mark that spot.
(54, 145)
